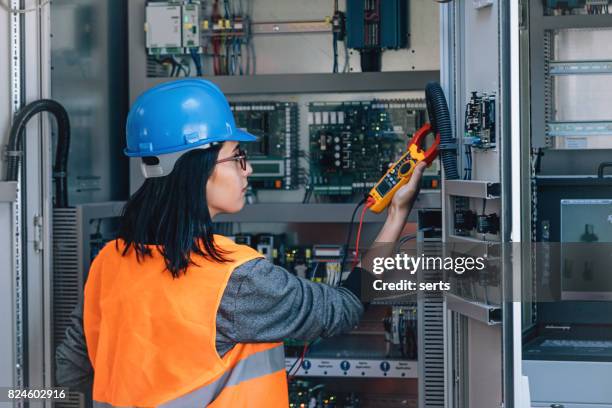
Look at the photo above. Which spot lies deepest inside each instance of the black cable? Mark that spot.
(350, 232)
(468, 163)
(293, 365)
(307, 194)
(14, 148)
(335, 51)
(406, 238)
(181, 67)
(538, 163)
(174, 67)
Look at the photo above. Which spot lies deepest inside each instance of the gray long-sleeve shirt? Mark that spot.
(262, 302)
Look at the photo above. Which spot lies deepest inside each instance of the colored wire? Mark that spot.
(369, 203)
(314, 271)
(289, 376)
(181, 67)
(197, 61)
(238, 48)
(216, 42)
(300, 360)
(350, 232)
(226, 9)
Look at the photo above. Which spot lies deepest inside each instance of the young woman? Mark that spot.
(174, 315)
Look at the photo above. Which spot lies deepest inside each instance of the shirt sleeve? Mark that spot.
(265, 303)
(72, 366)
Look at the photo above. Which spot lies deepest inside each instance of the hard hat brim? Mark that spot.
(238, 135)
(242, 136)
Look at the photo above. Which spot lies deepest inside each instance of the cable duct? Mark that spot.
(15, 145)
(439, 117)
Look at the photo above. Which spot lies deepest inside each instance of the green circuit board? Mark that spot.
(274, 157)
(352, 144)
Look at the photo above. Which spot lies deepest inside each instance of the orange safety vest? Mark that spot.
(151, 338)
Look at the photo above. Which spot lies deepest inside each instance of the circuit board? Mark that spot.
(480, 121)
(353, 143)
(274, 157)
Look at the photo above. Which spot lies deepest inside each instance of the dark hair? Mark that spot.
(171, 212)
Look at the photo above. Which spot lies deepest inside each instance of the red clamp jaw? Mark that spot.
(414, 147)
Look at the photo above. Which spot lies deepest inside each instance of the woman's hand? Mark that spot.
(402, 201)
(400, 207)
(397, 213)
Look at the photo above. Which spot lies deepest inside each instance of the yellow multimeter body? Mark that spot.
(401, 171)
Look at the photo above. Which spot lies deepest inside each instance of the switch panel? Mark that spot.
(163, 28)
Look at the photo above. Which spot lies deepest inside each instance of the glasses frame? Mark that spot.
(240, 156)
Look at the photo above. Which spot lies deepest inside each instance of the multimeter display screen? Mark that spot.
(383, 187)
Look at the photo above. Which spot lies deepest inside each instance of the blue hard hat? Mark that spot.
(179, 116)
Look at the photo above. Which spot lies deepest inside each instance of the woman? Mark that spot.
(174, 315)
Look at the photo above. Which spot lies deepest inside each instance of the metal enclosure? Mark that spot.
(481, 334)
(566, 92)
(89, 77)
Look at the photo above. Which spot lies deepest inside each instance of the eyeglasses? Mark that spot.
(240, 157)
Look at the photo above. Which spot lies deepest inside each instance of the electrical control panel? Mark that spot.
(172, 27)
(318, 263)
(401, 331)
(163, 28)
(353, 143)
(274, 157)
(309, 394)
(377, 24)
(191, 25)
(191, 38)
(468, 222)
(480, 121)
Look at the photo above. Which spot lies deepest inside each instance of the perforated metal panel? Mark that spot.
(431, 347)
(67, 280)
(431, 335)
(75, 400)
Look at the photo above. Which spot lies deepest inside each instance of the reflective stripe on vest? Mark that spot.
(254, 366)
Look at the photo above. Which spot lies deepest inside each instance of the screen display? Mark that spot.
(267, 168)
(383, 188)
(586, 237)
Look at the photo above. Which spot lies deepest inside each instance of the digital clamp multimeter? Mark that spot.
(401, 171)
